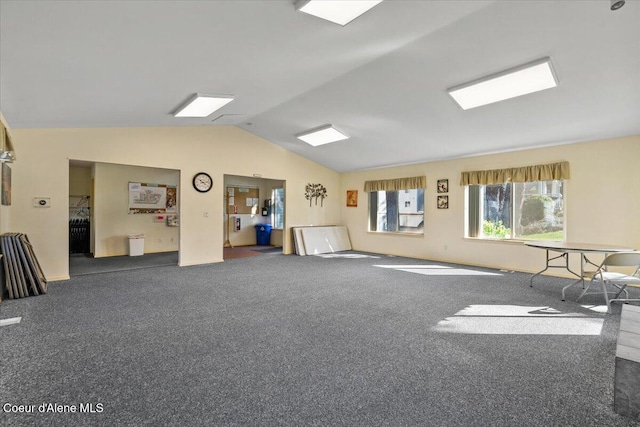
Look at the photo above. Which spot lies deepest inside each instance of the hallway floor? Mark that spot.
(249, 251)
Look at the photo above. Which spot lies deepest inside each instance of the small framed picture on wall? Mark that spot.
(443, 186)
(443, 202)
(352, 198)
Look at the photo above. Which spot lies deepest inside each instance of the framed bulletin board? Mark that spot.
(242, 200)
(145, 198)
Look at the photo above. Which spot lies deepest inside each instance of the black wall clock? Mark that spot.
(202, 182)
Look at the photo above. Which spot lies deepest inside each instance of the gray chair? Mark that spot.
(619, 281)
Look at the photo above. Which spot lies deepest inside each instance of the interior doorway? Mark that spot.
(254, 212)
(103, 222)
(80, 192)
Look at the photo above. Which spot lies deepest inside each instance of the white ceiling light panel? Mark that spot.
(322, 135)
(338, 11)
(528, 78)
(202, 105)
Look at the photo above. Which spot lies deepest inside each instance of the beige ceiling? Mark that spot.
(382, 79)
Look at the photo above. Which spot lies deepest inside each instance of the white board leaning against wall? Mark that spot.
(320, 239)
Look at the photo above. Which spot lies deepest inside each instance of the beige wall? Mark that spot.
(80, 180)
(42, 170)
(112, 221)
(602, 203)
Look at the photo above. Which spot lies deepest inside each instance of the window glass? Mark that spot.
(277, 207)
(397, 211)
(496, 211)
(539, 210)
(521, 210)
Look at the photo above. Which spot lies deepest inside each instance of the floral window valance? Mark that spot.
(396, 184)
(548, 172)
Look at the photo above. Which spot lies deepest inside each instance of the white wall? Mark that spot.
(112, 221)
(602, 204)
(42, 170)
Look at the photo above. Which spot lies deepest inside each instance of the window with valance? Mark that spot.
(396, 205)
(525, 203)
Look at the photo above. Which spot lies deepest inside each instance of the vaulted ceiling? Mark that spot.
(382, 79)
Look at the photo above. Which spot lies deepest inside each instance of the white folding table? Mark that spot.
(566, 248)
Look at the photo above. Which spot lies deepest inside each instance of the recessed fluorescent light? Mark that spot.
(322, 135)
(528, 78)
(202, 105)
(338, 11)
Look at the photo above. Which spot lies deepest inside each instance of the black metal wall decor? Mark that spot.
(315, 191)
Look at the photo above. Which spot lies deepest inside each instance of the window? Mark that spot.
(518, 210)
(399, 211)
(277, 205)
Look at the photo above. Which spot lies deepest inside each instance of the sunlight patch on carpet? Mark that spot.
(514, 311)
(10, 321)
(438, 270)
(518, 320)
(597, 308)
(339, 255)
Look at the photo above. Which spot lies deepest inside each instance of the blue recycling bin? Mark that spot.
(263, 234)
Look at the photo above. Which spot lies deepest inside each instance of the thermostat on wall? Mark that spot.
(42, 202)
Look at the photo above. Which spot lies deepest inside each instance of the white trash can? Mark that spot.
(136, 244)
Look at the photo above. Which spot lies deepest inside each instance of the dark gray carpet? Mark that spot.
(299, 341)
(80, 264)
